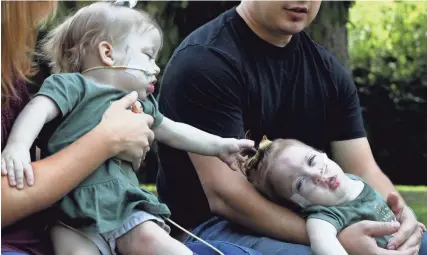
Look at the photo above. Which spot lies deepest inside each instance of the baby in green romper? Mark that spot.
(102, 53)
(289, 170)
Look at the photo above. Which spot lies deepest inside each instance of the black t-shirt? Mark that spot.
(225, 80)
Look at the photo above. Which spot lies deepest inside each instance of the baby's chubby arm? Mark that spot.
(323, 238)
(15, 158)
(185, 137)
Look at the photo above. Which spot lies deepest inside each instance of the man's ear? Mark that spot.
(105, 50)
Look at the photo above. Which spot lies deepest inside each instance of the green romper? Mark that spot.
(103, 201)
(369, 205)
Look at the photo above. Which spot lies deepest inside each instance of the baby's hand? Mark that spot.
(15, 162)
(230, 149)
(137, 107)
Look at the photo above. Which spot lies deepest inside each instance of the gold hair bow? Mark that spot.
(265, 143)
(131, 3)
(252, 162)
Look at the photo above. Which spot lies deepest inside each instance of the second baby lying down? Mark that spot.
(287, 170)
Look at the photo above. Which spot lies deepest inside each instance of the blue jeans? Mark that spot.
(222, 230)
(200, 249)
(423, 249)
(225, 247)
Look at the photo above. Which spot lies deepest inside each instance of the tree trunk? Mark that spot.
(329, 29)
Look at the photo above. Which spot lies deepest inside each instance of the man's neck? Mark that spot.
(279, 40)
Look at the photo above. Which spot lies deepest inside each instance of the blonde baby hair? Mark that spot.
(258, 163)
(67, 44)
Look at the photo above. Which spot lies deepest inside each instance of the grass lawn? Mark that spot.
(415, 196)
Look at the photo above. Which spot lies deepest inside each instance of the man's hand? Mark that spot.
(422, 227)
(358, 238)
(410, 232)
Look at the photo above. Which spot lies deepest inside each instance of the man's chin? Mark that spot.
(292, 28)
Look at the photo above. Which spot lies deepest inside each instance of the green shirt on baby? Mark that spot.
(111, 193)
(369, 205)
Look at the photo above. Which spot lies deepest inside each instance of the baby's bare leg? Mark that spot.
(149, 238)
(69, 242)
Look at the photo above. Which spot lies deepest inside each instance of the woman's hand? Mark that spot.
(130, 132)
(359, 238)
(120, 131)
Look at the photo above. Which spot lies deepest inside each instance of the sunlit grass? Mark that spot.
(415, 196)
(150, 187)
(411, 188)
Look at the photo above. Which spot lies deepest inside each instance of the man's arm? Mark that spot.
(351, 150)
(323, 238)
(230, 195)
(204, 88)
(355, 157)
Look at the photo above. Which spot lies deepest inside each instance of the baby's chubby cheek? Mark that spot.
(140, 77)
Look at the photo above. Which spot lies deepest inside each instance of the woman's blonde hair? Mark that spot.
(19, 20)
(67, 45)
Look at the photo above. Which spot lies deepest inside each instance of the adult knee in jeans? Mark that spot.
(149, 238)
(423, 248)
(13, 253)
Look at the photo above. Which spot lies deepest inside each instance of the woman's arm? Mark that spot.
(119, 131)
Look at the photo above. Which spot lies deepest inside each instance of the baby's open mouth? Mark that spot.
(332, 182)
(151, 86)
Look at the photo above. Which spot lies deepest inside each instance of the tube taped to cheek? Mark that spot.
(301, 201)
(139, 73)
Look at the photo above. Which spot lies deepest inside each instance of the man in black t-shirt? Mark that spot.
(253, 69)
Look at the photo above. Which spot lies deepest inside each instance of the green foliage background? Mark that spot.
(388, 58)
